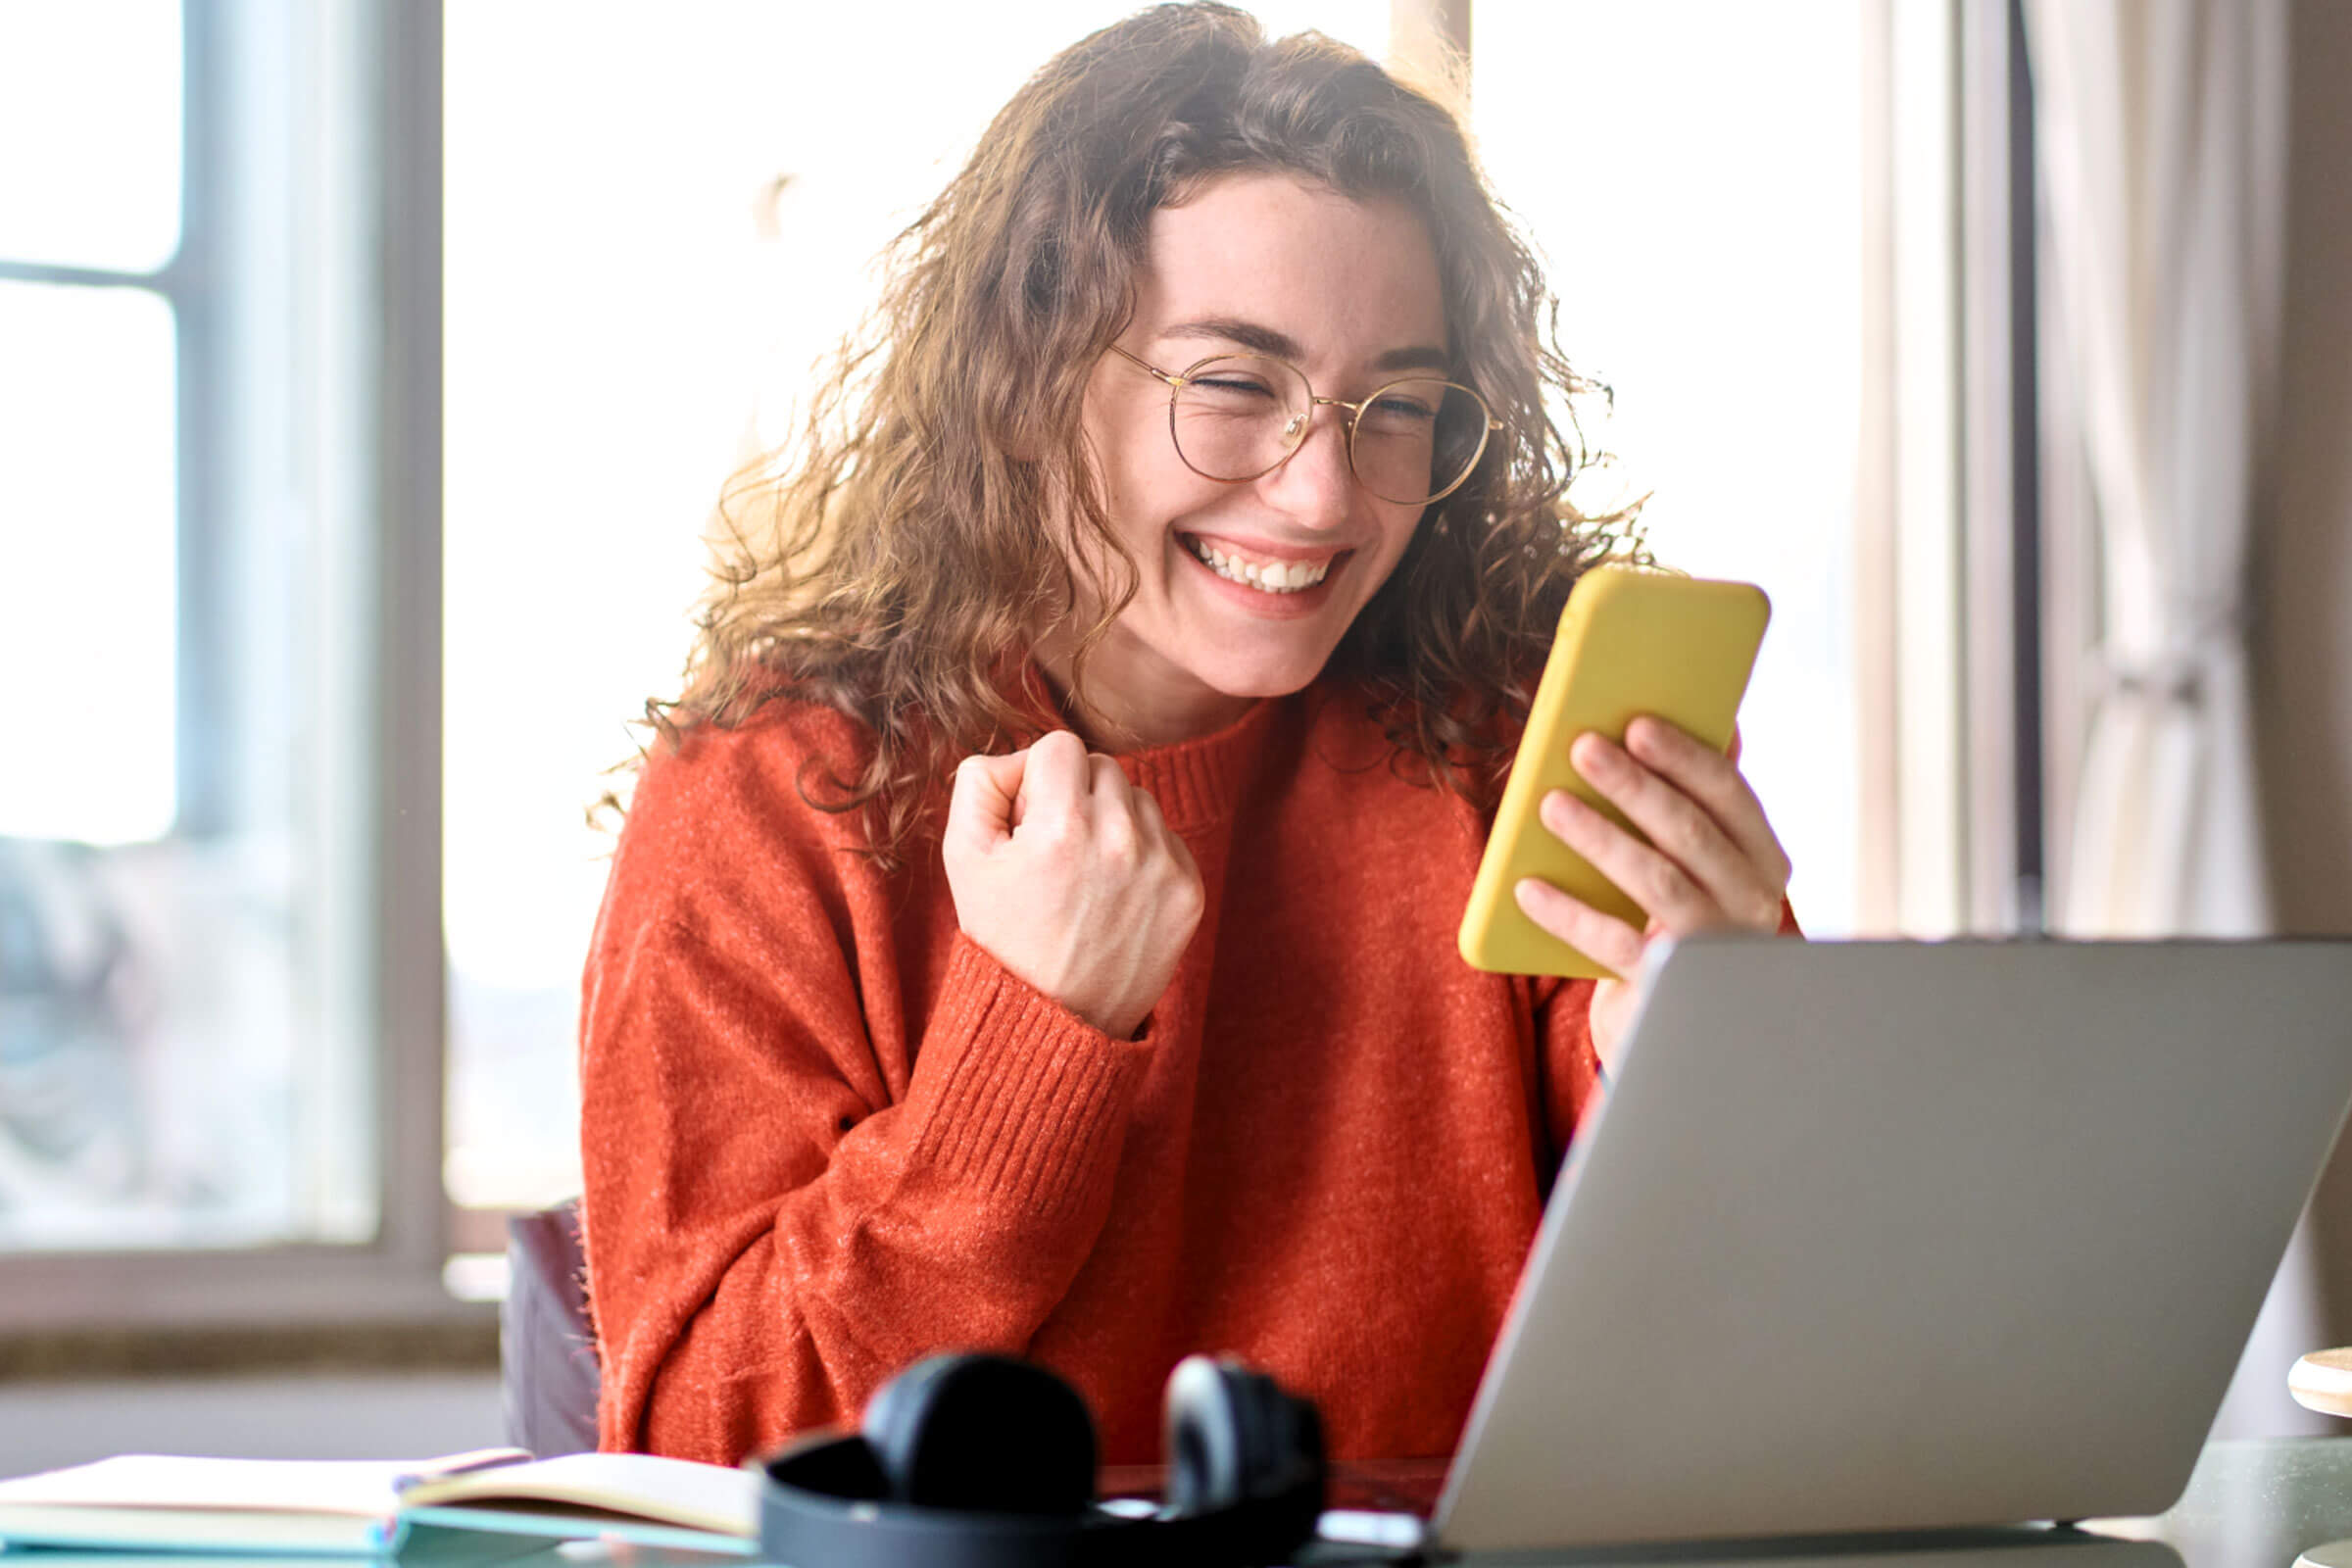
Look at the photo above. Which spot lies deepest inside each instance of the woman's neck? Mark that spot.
(1117, 705)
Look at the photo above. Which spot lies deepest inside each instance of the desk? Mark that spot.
(2254, 1503)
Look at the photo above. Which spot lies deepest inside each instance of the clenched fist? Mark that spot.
(1068, 875)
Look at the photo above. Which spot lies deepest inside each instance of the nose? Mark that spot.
(1314, 484)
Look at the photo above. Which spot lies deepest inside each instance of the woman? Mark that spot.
(1037, 933)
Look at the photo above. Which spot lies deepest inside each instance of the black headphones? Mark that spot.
(978, 1461)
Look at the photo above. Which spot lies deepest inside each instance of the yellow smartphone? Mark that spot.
(1632, 641)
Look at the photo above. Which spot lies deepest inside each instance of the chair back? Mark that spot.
(548, 1371)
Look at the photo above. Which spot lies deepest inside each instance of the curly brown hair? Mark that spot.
(892, 562)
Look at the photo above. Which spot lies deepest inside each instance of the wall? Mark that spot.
(343, 1416)
(2303, 643)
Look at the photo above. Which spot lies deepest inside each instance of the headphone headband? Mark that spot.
(835, 1500)
(801, 1525)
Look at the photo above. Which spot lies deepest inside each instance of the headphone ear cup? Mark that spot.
(983, 1434)
(1235, 1438)
(1296, 1441)
(894, 1417)
(1215, 1434)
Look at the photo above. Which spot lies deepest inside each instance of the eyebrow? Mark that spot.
(1259, 339)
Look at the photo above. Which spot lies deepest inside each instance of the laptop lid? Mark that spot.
(1891, 1236)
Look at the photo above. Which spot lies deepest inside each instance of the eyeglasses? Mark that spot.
(1235, 416)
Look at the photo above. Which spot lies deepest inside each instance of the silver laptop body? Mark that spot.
(1893, 1236)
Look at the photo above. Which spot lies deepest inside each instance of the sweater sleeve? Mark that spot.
(1570, 1070)
(773, 1227)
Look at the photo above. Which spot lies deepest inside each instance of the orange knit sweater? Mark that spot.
(824, 1134)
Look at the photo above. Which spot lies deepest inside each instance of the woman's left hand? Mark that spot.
(1712, 861)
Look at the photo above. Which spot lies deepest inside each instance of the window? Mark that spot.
(206, 911)
(1694, 174)
(93, 297)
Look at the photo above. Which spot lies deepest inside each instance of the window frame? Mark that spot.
(1952, 581)
(2001, 473)
(376, 459)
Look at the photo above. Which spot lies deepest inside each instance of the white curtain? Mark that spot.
(2163, 134)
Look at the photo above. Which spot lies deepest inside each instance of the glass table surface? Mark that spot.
(2255, 1502)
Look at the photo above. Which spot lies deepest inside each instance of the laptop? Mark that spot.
(1902, 1237)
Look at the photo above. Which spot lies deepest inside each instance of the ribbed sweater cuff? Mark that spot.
(1015, 1096)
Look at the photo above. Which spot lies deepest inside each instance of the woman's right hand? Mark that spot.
(1067, 874)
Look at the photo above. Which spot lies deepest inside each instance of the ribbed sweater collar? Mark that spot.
(1199, 782)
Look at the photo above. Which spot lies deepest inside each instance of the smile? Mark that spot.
(1269, 576)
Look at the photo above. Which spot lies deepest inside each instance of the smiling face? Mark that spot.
(1244, 590)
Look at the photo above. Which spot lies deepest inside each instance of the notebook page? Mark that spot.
(702, 1497)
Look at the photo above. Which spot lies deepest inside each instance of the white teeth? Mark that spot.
(1271, 578)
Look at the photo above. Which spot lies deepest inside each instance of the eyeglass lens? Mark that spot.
(1234, 419)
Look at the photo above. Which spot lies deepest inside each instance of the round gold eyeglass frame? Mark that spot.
(1294, 434)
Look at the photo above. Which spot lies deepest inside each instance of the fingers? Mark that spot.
(1602, 938)
(1110, 815)
(1084, 892)
(1711, 855)
(1058, 779)
(1104, 782)
(1056, 783)
(1652, 875)
(1155, 828)
(1714, 780)
(981, 810)
(1698, 853)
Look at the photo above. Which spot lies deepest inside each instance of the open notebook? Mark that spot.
(496, 1501)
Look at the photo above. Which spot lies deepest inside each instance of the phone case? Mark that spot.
(1631, 641)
